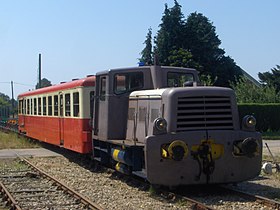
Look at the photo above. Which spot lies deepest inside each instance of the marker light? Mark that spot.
(160, 126)
(249, 122)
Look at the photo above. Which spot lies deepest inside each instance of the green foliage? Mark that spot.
(44, 83)
(202, 40)
(5, 106)
(247, 92)
(226, 72)
(271, 78)
(146, 53)
(192, 43)
(182, 58)
(207, 80)
(170, 35)
(267, 115)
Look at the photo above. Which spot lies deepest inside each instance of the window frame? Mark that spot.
(138, 77)
(178, 74)
(76, 104)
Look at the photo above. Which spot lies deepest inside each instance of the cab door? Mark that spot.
(101, 108)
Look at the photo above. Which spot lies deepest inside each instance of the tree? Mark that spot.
(5, 106)
(271, 78)
(203, 42)
(226, 72)
(193, 43)
(183, 58)
(44, 83)
(146, 53)
(170, 35)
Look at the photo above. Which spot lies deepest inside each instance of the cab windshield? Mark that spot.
(179, 79)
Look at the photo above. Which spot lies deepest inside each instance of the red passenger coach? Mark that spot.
(59, 114)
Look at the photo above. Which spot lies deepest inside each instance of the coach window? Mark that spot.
(55, 103)
(28, 106)
(178, 79)
(128, 82)
(67, 105)
(24, 107)
(31, 106)
(76, 104)
(44, 106)
(61, 105)
(20, 107)
(35, 106)
(55, 99)
(40, 106)
(50, 105)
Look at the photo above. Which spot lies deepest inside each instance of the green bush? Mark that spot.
(267, 115)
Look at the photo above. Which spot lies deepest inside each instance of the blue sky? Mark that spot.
(77, 38)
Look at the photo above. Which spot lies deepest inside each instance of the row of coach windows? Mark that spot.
(51, 105)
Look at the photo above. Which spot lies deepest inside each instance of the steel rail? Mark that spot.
(11, 201)
(259, 199)
(82, 198)
(196, 204)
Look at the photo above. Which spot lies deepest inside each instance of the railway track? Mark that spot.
(208, 200)
(266, 202)
(225, 197)
(27, 187)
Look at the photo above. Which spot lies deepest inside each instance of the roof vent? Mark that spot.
(90, 75)
(62, 82)
(75, 79)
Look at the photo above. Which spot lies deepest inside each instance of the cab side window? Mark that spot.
(128, 82)
(102, 91)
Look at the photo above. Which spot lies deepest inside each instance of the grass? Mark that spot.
(270, 135)
(13, 141)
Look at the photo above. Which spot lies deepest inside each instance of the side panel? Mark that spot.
(77, 132)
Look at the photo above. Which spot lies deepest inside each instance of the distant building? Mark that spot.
(250, 78)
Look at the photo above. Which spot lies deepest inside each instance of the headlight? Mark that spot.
(249, 122)
(160, 126)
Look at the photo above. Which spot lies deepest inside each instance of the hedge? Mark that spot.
(267, 115)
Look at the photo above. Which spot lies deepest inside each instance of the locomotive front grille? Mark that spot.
(204, 112)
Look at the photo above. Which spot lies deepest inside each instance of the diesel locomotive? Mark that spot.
(156, 122)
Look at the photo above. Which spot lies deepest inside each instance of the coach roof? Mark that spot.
(85, 82)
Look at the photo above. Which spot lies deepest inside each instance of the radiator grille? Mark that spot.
(204, 112)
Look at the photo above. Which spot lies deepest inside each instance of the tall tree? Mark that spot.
(146, 54)
(170, 35)
(183, 58)
(226, 72)
(271, 78)
(203, 42)
(193, 43)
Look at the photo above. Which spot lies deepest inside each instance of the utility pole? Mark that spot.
(13, 100)
(39, 82)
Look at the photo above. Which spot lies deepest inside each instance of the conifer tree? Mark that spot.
(170, 34)
(146, 54)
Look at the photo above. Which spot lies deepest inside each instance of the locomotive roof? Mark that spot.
(122, 69)
(144, 68)
(84, 82)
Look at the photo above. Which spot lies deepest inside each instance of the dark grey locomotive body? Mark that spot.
(157, 123)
